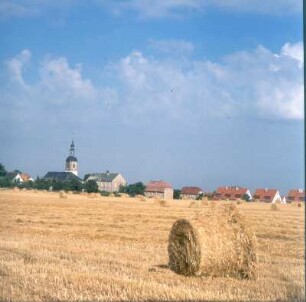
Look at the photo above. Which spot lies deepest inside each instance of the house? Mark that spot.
(26, 177)
(159, 188)
(232, 193)
(109, 182)
(191, 192)
(267, 195)
(296, 195)
(16, 177)
(61, 176)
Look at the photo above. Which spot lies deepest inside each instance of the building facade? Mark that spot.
(296, 195)
(160, 189)
(232, 193)
(109, 182)
(268, 195)
(190, 192)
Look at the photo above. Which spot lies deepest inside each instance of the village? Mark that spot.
(114, 183)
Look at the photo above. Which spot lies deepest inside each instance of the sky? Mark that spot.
(193, 92)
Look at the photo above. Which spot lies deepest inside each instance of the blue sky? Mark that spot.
(194, 92)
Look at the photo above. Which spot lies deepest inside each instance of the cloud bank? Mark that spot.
(248, 84)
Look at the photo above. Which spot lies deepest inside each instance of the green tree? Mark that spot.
(200, 196)
(5, 182)
(177, 194)
(3, 172)
(91, 186)
(137, 188)
(74, 185)
(246, 197)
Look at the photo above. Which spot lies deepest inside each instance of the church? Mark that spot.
(71, 168)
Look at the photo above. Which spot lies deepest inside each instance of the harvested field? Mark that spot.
(115, 249)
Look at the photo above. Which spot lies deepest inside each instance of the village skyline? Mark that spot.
(199, 93)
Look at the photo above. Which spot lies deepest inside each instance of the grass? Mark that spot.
(115, 249)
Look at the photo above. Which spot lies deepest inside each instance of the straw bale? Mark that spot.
(161, 202)
(62, 194)
(141, 197)
(274, 207)
(216, 242)
(124, 195)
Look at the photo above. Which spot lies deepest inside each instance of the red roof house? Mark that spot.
(231, 193)
(267, 195)
(26, 177)
(296, 195)
(190, 192)
(159, 188)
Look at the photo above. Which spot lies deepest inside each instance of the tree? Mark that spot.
(74, 185)
(137, 188)
(3, 172)
(5, 182)
(177, 194)
(91, 186)
(246, 197)
(200, 196)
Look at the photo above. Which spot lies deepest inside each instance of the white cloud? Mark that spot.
(295, 51)
(256, 83)
(63, 82)
(16, 66)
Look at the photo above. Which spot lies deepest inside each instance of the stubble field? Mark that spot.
(115, 249)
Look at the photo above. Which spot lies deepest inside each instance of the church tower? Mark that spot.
(71, 161)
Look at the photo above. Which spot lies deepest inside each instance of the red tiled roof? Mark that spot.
(157, 186)
(191, 190)
(265, 194)
(25, 177)
(296, 195)
(230, 192)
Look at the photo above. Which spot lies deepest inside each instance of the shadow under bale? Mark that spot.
(216, 243)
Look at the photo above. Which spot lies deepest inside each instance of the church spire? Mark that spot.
(71, 164)
(72, 148)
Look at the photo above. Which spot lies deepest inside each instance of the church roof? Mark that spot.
(60, 176)
(71, 158)
(104, 177)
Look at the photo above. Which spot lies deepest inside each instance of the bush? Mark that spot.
(104, 193)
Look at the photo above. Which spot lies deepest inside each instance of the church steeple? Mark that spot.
(72, 148)
(71, 164)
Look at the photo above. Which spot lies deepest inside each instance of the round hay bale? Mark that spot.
(141, 197)
(274, 207)
(299, 204)
(124, 195)
(62, 194)
(216, 243)
(161, 202)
